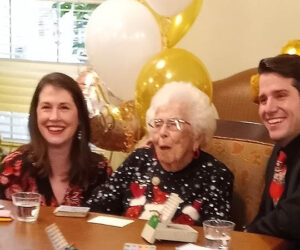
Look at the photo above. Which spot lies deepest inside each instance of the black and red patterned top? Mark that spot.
(15, 177)
(140, 185)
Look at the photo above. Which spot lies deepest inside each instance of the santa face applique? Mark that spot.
(138, 201)
(159, 198)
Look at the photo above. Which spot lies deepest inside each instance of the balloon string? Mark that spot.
(102, 93)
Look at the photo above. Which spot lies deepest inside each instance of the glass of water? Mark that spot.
(217, 233)
(28, 205)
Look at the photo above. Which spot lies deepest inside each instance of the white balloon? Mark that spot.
(121, 37)
(168, 8)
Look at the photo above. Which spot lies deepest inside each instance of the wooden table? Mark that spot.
(17, 235)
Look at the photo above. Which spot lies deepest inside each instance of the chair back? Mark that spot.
(245, 148)
(234, 93)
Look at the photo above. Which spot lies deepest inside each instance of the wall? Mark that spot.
(230, 36)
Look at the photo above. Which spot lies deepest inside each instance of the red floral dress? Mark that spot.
(13, 179)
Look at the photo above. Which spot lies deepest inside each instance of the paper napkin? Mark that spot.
(110, 221)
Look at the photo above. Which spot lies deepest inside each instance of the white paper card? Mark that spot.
(110, 221)
(191, 247)
(71, 209)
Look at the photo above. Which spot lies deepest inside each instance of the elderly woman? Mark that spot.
(180, 122)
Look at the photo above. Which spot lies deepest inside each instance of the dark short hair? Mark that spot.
(80, 151)
(285, 65)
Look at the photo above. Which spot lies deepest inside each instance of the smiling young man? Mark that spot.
(279, 110)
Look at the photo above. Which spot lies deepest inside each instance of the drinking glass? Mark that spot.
(28, 205)
(217, 233)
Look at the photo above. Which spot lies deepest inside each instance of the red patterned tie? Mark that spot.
(277, 184)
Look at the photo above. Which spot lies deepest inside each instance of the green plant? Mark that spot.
(82, 12)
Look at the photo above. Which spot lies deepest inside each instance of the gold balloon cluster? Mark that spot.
(292, 48)
(118, 127)
(171, 64)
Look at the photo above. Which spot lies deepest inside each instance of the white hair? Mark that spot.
(202, 113)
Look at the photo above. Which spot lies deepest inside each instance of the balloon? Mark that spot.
(168, 8)
(170, 65)
(94, 95)
(116, 128)
(95, 92)
(174, 28)
(254, 87)
(292, 47)
(112, 127)
(121, 37)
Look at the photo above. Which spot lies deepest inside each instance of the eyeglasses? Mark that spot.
(172, 124)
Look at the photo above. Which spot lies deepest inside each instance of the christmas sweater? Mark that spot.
(140, 185)
(17, 174)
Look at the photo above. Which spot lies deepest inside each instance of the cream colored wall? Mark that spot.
(233, 35)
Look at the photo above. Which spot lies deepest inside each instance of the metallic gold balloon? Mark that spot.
(116, 128)
(292, 47)
(254, 87)
(114, 123)
(95, 92)
(174, 28)
(170, 65)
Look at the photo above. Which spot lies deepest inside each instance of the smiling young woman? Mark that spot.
(58, 162)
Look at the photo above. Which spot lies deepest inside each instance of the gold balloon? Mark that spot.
(174, 28)
(292, 47)
(170, 65)
(114, 123)
(116, 128)
(254, 87)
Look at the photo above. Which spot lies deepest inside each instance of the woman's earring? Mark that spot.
(79, 135)
(196, 153)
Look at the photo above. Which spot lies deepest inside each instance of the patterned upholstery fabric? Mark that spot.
(247, 160)
(234, 93)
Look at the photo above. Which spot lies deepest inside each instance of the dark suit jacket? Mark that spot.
(283, 220)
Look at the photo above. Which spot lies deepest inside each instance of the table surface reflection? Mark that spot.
(88, 236)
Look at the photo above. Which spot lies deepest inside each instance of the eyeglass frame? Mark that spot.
(167, 122)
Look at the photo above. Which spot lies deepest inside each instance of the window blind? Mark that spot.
(19, 77)
(18, 80)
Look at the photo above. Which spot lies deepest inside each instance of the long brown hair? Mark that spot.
(81, 156)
